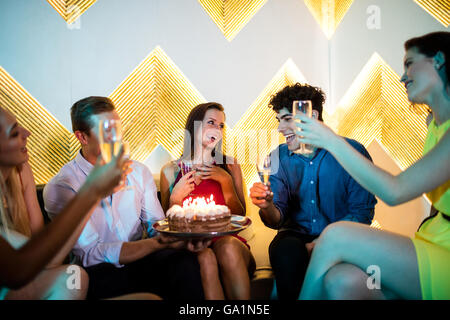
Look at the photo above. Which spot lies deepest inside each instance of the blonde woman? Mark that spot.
(31, 255)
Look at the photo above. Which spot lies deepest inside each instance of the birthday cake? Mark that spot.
(199, 215)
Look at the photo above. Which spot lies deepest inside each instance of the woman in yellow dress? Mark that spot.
(417, 268)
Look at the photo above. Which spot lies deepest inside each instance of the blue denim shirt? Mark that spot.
(312, 193)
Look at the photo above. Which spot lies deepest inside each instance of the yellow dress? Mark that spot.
(432, 241)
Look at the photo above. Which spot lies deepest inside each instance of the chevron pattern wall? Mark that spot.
(155, 98)
(376, 107)
(231, 15)
(255, 134)
(71, 10)
(51, 145)
(439, 9)
(154, 102)
(328, 13)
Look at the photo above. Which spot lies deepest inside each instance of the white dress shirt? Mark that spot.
(118, 218)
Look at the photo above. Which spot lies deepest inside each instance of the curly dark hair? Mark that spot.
(285, 97)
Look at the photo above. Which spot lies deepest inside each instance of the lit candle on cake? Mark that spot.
(199, 202)
(199, 215)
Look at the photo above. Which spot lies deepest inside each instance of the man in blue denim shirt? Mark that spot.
(306, 193)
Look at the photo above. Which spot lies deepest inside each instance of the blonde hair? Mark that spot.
(17, 212)
(4, 206)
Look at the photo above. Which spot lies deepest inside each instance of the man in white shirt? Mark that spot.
(111, 245)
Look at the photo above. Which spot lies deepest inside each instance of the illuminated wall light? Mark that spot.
(71, 10)
(328, 13)
(153, 103)
(439, 9)
(51, 145)
(260, 119)
(405, 130)
(231, 15)
(376, 107)
(375, 224)
(155, 99)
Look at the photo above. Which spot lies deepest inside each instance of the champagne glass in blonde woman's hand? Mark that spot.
(305, 107)
(109, 138)
(127, 162)
(105, 178)
(110, 142)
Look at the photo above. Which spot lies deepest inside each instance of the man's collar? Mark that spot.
(84, 165)
(316, 152)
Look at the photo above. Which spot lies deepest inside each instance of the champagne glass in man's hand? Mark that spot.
(260, 192)
(303, 107)
(264, 169)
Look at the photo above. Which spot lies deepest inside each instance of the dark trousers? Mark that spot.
(289, 259)
(172, 274)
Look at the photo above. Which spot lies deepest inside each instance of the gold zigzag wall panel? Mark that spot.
(256, 132)
(153, 103)
(50, 145)
(328, 13)
(71, 10)
(155, 99)
(231, 15)
(439, 9)
(376, 107)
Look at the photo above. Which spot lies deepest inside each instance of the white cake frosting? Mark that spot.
(198, 207)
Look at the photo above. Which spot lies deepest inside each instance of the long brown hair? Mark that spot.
(198, 114)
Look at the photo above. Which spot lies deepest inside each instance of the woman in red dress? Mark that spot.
(228, 261)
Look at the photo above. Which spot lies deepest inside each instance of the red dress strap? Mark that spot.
(205, 189)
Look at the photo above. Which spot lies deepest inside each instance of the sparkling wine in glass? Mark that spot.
(186, 166)
(305, 107)
(110, 138)
(264, 169)
(126, 150)
(126, 157)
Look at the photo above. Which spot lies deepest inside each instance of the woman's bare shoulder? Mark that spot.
(170, 169)
(26, 175)
(232, 163)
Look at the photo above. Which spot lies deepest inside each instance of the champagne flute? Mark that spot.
(305, 107)
(110, 141)
(110, 138)
(264, 169)
(186, 166)
(126, 150)
(126, 157)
